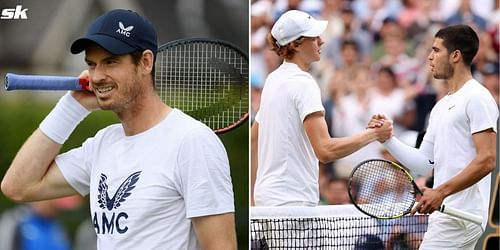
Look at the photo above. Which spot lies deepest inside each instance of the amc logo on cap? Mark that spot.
(124, 31)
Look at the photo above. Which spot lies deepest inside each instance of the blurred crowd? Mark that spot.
(39, 226)
(374, 60)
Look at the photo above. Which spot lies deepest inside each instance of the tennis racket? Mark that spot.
(383, 189)
(205, 78)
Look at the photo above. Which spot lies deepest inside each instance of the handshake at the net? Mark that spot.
(382, 126)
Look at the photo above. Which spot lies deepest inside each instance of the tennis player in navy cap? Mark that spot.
(157, 180)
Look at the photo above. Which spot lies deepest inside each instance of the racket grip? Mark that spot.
(39, 82)
(461, 214)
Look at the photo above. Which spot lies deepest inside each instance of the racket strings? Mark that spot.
(206, 80)
(382, 190)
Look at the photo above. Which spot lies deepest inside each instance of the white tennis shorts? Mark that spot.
(447, 232)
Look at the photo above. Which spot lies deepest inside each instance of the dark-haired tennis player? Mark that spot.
(460, 144)
(290, 134)
(158, 180)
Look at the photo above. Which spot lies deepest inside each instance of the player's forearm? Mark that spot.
(216, 232)
(29, 167)
(29, 177)
(328, 149)
(254, 159)
(337, 148)
(409, 156)
(253, 177)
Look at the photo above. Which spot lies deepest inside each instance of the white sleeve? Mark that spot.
(419, 161)
(482, 114)
(307, 97)
(203, 175)
(76, 167)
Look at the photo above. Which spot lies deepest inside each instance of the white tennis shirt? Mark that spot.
(144, 189)
(288, 169)
(452, 122)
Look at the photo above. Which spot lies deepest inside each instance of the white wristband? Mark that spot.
(63, 119)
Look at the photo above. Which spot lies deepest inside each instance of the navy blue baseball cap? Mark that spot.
(119, 32)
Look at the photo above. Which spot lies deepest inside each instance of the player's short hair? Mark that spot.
(460, 37)
(286, 51)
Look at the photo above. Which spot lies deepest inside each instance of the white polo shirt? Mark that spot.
(288, 169)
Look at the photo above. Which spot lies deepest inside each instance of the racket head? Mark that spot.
(382, 189)
(205, 78)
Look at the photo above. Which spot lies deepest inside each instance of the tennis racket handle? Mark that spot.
(461, 214)
(39, 82)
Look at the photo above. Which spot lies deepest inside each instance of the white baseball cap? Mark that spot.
(294, 24)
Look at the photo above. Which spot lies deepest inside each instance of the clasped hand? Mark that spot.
(382, 126)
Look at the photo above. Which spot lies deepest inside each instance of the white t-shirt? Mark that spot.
(288, 169)
(144, 189)
(452, 122)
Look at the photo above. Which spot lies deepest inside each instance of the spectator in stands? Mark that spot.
(353, 110)
(373, 12)
(390, 28)
(341, 82)
(396, 55)
(416, 16)
(332, 11)
(36, 226)
(465, 15)
(369, 241)
(410, 13)
(491, 79)
(260, 23)
(392, 99)
(400, 240)
(352, 30)
(486, 53)
(336, 192)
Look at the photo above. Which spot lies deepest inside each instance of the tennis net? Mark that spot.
(331, 227)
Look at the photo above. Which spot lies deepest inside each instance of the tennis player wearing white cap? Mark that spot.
(290, 134)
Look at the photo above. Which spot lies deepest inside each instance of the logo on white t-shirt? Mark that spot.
(124, 191)
(108, 222)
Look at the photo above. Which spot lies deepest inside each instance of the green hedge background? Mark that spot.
(21, 115)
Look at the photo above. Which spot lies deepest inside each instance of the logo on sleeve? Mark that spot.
(124, 30)
(109, 221)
